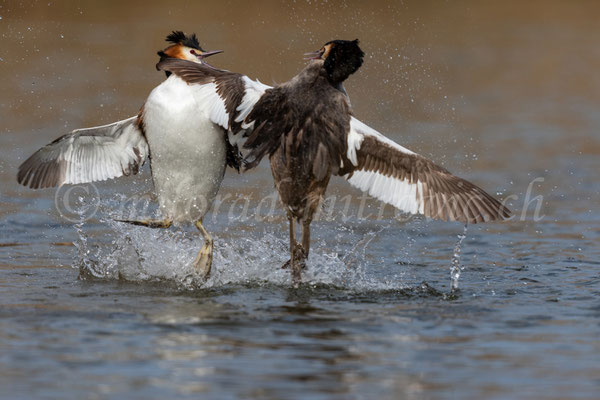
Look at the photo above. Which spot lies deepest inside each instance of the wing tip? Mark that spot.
(40, 175)
(486, 209)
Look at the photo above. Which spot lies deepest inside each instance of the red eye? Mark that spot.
(193, 52)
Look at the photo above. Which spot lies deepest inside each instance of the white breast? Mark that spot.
(187, 150)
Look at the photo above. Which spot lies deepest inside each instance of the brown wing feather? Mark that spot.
(445, 196)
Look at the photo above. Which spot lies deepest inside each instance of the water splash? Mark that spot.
(81, 245)
(355, 255)
(455, 268)
(139, 254)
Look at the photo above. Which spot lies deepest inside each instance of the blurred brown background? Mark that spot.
(478, 85)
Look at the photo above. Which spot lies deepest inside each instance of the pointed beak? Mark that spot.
(313, 55)
(210, 53)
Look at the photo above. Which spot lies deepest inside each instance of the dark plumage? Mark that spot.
(298, 126)
(343, 60)
(308, 116)
(302, 125)
(178, 37)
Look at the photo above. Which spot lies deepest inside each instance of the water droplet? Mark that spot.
(455, 268)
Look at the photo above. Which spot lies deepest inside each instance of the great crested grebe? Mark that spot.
(188, 151)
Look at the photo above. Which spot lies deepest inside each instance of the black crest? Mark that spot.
(344, 59)
(178, 37)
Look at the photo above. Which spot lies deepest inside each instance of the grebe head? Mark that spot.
(342, 58)
(186, 47)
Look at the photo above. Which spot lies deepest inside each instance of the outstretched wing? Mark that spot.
(412, 183)
(87, 155)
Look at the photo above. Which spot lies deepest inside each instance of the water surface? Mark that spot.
(507, 96)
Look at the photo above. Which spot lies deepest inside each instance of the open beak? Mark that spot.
(210, 53)
(313, 55)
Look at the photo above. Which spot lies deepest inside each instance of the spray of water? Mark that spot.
(455, 268)
(139, 254)
(81, 245)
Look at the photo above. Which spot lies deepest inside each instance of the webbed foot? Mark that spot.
(203, 261)
(299, 257)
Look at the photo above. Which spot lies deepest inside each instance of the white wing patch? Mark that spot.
(354, 141)
(361, 129)
(211, 103)
(402, 194)
(405, 196)
(252, 92)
